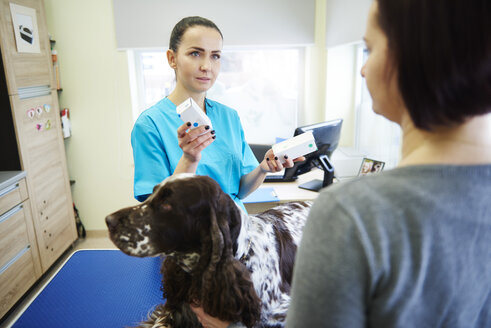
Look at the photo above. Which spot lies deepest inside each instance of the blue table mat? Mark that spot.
(97, 288)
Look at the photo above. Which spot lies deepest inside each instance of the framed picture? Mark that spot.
(25, 28)
(371, 166)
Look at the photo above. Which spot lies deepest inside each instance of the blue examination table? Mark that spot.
(96, 288)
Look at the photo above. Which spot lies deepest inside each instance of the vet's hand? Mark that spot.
(192, 143)
(272, 163)
(206, 320)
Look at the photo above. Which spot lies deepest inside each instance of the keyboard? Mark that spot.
(278, 178)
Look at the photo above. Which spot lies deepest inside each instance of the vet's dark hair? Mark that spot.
(442, 52)
(183, 25)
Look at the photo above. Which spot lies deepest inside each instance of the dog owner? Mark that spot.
(411, 247)
(163, 145)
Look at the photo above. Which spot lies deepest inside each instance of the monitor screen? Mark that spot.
(326, 136)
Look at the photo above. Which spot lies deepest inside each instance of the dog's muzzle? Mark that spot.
(111, 222)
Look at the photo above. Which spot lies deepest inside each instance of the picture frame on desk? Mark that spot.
(371, 166)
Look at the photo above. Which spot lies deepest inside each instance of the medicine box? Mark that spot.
(297, 146)
(189, 111)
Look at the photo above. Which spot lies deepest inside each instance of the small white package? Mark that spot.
(297, 146)
(189, 111)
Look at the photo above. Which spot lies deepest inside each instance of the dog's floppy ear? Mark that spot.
(227, 291)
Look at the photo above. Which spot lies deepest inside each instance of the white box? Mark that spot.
(346, 162)
(297, 146)
(189, 111)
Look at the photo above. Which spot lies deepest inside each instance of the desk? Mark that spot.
(286, 192)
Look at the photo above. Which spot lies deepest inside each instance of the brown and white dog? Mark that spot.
(237, 267)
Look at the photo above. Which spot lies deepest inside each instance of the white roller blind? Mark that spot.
(148, 23)
(346, 21)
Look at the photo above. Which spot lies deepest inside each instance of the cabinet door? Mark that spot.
(55, 221)
(25, 69)
(42, 153)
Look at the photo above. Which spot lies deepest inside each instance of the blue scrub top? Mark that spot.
(156, 151)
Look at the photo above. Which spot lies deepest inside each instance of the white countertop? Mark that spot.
(8, 178)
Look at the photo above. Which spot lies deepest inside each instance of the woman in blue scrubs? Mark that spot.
(163, 145)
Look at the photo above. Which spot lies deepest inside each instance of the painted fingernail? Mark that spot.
(188, 123)
(214, 137)
(286, 156)
(207, 127)
(212, 132)
(267, 158)
(276, 158)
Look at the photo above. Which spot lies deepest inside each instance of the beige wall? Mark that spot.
(94, 77)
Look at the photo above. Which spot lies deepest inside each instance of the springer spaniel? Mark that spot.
(237, 267)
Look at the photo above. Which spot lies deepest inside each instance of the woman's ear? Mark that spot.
(171, 58)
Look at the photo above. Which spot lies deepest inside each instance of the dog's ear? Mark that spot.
(229, 213)
(227, 291)
(175, 287)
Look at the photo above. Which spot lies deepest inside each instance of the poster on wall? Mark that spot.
(25, 28)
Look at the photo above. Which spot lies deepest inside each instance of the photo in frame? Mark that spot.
(25, 28)
(371, 166)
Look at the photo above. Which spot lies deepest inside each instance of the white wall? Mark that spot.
(95, 83)
(341, 88)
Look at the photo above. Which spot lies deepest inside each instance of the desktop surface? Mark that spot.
(286, 192)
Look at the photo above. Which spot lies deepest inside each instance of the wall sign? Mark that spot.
(25, 28)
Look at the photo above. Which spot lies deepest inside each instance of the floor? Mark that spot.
(93, 240)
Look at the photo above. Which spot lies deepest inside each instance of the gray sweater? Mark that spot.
(410, 247)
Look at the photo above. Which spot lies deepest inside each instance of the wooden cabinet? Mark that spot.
(19, 258)
(25, 70)
(43, 227)
(42, 154)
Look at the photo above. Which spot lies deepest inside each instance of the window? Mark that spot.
(263, 85)
(375, 136)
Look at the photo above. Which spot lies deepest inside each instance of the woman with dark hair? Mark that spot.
(411, 247)
(163, 145)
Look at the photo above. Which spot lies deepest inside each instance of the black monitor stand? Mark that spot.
(328, 168)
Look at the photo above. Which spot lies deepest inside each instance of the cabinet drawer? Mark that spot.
(12, 195)
(16, 279)
(13, 234)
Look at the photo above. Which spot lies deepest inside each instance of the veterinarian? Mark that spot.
(163, 145)
(411, 247)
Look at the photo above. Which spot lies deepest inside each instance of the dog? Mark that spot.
(237, 267)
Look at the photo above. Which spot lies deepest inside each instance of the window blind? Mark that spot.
(346, 21)
(148, 23)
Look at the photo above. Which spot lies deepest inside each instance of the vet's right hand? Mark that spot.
(206, 320)
(192, 140)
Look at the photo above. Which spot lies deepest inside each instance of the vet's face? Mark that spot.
(197, 60)
(169, 221)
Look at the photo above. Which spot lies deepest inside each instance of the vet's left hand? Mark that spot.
(206, 320)
(271, 163)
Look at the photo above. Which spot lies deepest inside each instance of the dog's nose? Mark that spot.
(111, 221)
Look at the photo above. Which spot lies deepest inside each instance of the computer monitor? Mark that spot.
(326, 136)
